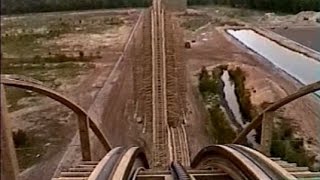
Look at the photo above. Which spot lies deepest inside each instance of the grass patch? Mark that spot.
(13, 95)
(30, 150)
(52, 71)
(194, 22)
(287, 147)
(20, 45)
(24, 44)
(218, 126)
(59, 58)
(52, 130)
(40, 65)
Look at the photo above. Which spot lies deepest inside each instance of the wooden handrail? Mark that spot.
(83, 119)
(256, 122)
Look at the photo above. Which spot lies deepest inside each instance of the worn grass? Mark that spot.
(194, 22)
(46, 70)
(34, 46)
(45, 140)
(13, 95)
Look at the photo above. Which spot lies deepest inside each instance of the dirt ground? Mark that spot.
(101, 35)
(266, 83)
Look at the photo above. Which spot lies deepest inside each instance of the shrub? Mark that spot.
(81, 54)
(207, 83)
(19, 138)
(287, 147)
(218, 126)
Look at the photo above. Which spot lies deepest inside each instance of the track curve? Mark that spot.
(83, 117)
(127, 163)
(106, 166)
(237, 162)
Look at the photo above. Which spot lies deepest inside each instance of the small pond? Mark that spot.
(232, 100)
(303, 68)
(231, 97)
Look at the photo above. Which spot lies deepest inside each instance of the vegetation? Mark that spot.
(218, 127)
(19, 138)
(28, 6)
(248, 111)
(289, 6)
(194, 22)
(287, 147)
(47, 139)
(207, 84)
(49, 70)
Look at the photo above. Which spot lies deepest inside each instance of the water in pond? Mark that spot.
(231, 97)
(232, 100)
(304, 69)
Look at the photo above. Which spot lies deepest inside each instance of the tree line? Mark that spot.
(29, 6)
(288, 6)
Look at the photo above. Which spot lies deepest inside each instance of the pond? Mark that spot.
(231, 97)
(232, 100)
(297, 65)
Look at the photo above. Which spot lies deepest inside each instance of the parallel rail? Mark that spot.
(179, 144)
(213, 162)
(159, 101)
(239, 163)
(169, 136)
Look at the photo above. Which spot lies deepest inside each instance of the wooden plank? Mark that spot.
(266, 135)
(9, 162)
(84, 137)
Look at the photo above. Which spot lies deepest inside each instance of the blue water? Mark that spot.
(304, 69)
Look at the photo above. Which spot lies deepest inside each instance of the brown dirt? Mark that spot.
(212, 48)
(84, 93)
